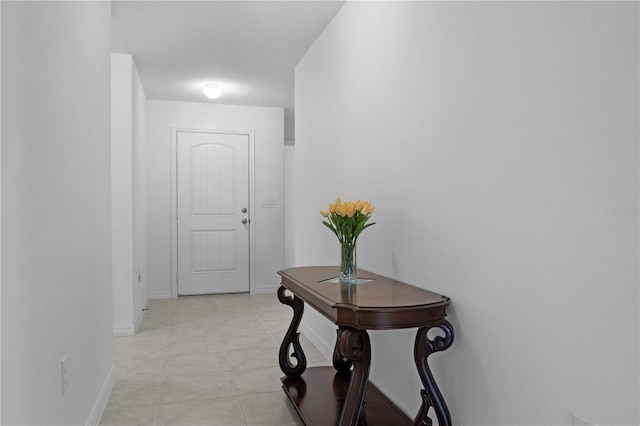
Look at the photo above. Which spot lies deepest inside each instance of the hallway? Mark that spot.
(205, 360)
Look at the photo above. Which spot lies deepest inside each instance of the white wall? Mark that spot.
(268, 125)
(56, 239)
(0, 214)
(289, 206)
(128, 200)
(499, 142)
(122, 193)
(139, 183)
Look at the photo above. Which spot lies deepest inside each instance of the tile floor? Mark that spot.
(205, 360)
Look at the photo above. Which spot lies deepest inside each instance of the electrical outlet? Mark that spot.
(64, 374)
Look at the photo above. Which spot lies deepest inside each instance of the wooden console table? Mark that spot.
(324, 396)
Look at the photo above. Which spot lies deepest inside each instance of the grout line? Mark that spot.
(244, 416)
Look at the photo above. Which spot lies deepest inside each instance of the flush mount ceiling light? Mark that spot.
(212, 91)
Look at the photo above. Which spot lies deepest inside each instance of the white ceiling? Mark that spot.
(249, 47)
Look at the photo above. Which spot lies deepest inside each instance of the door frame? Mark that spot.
(174, 202)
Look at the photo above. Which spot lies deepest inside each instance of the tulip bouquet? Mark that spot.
(347, 220)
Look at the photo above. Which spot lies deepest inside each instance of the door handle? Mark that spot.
(245, 221)
(244, 210)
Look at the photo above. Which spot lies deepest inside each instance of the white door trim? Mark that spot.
(174, 203)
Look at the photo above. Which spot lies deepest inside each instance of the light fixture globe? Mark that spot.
(212, 91)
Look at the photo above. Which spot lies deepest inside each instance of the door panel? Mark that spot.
(213, 176)
(213, 201)
(213, 251)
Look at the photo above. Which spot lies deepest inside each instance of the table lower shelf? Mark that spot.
(318, 396)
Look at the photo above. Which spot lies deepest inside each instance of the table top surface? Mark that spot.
(381, 295)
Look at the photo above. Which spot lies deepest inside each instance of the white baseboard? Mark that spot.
(124, 330)
(103, 397)
(160, 295)
(268, 289)
(323, 346)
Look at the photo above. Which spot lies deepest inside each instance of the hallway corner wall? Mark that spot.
(128, 197)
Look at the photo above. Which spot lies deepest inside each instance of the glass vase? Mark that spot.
(348, 270)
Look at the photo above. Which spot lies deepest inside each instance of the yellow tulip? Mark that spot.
(340, 211)
(338, 202)
(332, 208)
(324, 213)
(367, 209)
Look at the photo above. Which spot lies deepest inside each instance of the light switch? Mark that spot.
(268, 203)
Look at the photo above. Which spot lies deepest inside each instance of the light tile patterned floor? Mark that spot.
(205, 360)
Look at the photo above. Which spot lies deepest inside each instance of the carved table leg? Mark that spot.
(431, 396)
(354, 346)
(340, 363)
(292, 338)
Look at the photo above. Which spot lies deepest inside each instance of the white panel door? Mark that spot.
(213, 218)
